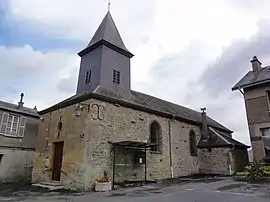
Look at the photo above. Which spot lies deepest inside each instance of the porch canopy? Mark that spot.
(135, 145)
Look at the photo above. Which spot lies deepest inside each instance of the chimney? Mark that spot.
(20, 104)
(204, 123)
(256, 64)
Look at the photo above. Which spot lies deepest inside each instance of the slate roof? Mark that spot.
(107, 32)
(14, 108)
(254, 78)
(218, 139)
(140, 101)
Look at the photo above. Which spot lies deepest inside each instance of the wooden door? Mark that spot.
(57, 161)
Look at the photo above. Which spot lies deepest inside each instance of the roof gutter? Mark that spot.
(236, 87)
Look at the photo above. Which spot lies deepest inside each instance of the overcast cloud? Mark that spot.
(188, 52)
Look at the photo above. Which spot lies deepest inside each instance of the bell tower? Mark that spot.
(105, 61)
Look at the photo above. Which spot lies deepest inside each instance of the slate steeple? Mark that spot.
(106, 60)
(107, 32)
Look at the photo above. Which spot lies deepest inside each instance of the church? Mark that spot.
(108, 128)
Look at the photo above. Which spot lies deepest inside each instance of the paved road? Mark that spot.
(192, 191)
(187, 196)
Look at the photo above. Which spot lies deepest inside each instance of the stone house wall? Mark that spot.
(16, 165)
(18, 153)
(30, 133)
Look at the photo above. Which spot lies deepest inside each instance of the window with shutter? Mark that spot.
(12, 125)
(116, 76)
(4, 123)
(22, 126)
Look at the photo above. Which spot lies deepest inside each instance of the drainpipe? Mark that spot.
(229, 160)
(170, 146)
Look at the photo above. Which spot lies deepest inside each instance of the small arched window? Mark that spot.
(156, 137)
(192, 143)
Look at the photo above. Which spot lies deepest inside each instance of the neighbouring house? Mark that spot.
(18, 132)
(107, 127)
(255, 86)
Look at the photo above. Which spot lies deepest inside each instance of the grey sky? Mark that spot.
(188, 52)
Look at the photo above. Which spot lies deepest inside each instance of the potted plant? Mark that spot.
(103, 184)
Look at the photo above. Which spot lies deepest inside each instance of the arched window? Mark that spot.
(192, 143)
(156, 137)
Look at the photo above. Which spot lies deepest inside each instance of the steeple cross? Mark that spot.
(109, 5)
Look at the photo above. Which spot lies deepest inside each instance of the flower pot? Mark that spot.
(103, 186)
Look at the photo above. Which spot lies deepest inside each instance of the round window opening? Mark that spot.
(60, 126)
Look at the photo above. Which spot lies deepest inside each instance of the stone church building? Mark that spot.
(107, 127)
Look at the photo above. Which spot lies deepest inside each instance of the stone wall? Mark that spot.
(240, 159)
(16, 165)
(88, 153)
(183, 163)
(120, 124)
(73, 134)
(125, 166)
(215, 161)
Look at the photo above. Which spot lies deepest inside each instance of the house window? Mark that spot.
(266, 140)
(156, 137)
(268, 100)
(116, 76)
(12, 125)
(192, 143)
(88, 77)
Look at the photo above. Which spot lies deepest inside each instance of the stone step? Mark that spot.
(51, 183)
(52, 186)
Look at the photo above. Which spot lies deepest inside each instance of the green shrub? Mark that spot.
(255, 171)
(244, 174)
(266, 170)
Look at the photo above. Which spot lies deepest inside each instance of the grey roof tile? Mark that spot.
(152, 102)
(140, 100)
(14, 108)
(217, 138)
(254, 78)
(108, 31)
